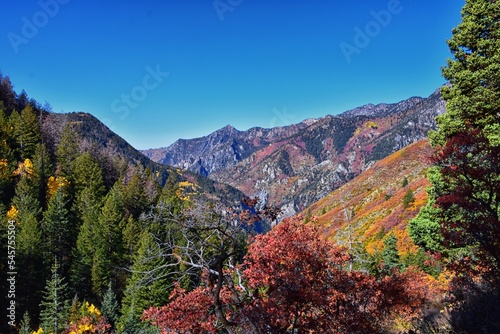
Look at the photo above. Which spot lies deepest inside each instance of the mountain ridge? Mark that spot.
(293, 166)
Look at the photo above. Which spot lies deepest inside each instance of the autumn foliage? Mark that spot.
(297, 282)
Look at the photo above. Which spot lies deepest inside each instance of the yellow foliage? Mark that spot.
(186, 189)
(375, 247)
(12, 213)
(54, 184)
(186, 184)
(92, 309)
(370, 124)
(25, 168)
(40, 330)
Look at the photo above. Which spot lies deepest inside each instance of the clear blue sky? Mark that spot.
(158, 70)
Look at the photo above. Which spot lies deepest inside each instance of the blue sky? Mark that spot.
(158, 70)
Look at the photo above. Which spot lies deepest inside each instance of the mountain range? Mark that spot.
(294, 166)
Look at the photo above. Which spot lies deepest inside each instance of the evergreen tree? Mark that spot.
(29, 244)
(90, 191)
(425, 230)
(15, 128)
(408, 198)
(149, 284)
(28, 132)
(135, 198)
(466, 176)
(473, 96)
(110, 307)
(405, 182)
(169, 195)
(42, 168)
(108, 256)
(130, 239)
(88, 174)
(58, 230)
(390, 254)
(55, 303)
(25, 325)
(67, 151)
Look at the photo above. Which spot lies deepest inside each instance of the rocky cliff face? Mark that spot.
(294, 166)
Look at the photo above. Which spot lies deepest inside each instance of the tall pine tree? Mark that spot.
(108, 242)
(55, 303)
(150, 283)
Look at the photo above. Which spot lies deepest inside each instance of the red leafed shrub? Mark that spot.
(187, 312)
(296, 282)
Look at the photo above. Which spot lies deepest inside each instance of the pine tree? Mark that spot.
(55, 303)
(149, 284)
(88, 174)
(28, 132)
(135, 198)
(110, 307)
(473, 96)
(29, 244)
(67, 151)
(408, 198)
(90, 191)
(390, 254)
(58, 229)
(108, 240)
(25, 325)
(43, 168)
(130, 240)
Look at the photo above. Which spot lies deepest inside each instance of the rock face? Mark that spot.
(294, 166)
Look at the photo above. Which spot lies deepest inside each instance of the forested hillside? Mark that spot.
(75, 199)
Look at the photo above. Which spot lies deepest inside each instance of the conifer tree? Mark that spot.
(55, 303)
(88, 174)
(42, 168)
(28, 132)
(408, 198)
(58, 230)
(135, 198)
(29, 244)
(110, 307)
(108, 256)
(150, 283)
(67, 151)
(390, 254)
(90, 191)
(25, 325)
(473, 96)
(466, 176)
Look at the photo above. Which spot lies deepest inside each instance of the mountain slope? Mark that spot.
(372, 204)
(112, 150)
(294, 166)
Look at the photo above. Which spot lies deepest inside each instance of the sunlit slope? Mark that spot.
(372, 204)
